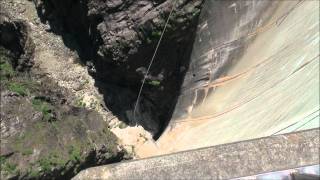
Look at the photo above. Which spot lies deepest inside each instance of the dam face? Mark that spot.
(254, 72)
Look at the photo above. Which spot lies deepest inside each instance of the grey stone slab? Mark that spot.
(220, 162)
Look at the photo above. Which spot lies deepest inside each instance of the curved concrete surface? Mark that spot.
(254, 72)
(260, 158)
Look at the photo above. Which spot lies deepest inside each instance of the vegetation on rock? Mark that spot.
(119, 38)
(52, 139)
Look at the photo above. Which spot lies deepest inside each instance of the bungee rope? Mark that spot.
(152, 59)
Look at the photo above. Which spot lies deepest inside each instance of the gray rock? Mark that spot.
(14, 35)
(119, 37)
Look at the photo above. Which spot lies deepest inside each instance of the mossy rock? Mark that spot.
(52, 139)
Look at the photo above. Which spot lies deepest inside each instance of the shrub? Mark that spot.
(75, 153)
(18, 88)
(51, 161)
(43, 107)
(7, 167)
(11, 168)
(6, 70)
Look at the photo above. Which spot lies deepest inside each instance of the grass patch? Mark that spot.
(51, 161)
(18, 88)
(8, 167)
(33, 173)
(2, 160)
(43, 107)
(6, 70)
(46, 164)
(75, 153)
(27, 152)
(55, 126)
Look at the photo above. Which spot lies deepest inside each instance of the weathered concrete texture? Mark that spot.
(220, 162)
(254, 72)
(301, 173)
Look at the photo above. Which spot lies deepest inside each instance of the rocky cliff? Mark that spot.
(117, 39)
(47, 132)
(43, 134)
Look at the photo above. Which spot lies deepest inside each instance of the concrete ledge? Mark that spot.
(220, 162)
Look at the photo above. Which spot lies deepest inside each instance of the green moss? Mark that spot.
(33, 173)
(8, 167)
(156, 34)
(51, 161)
(27, 152)
(154, 83)
(2, 160)
(75, 153)
(122, 125)
(43, 107)
(55, 126)
(19, 88)
(45, 165)
(80, 103)
(6, 70)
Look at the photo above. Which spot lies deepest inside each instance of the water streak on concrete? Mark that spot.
(254, 72)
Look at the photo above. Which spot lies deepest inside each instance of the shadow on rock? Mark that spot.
(117, 40)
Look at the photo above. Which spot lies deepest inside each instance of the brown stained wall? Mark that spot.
(254, 72)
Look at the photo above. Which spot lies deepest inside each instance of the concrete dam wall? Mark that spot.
(254, 72)
(261, 158)
(249, 102)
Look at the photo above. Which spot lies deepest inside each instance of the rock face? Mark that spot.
(43, 135)
(14, 36)
(118, 39)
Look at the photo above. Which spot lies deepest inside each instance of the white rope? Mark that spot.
(152, 59)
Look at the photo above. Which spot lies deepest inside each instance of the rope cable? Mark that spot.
(152, 60)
